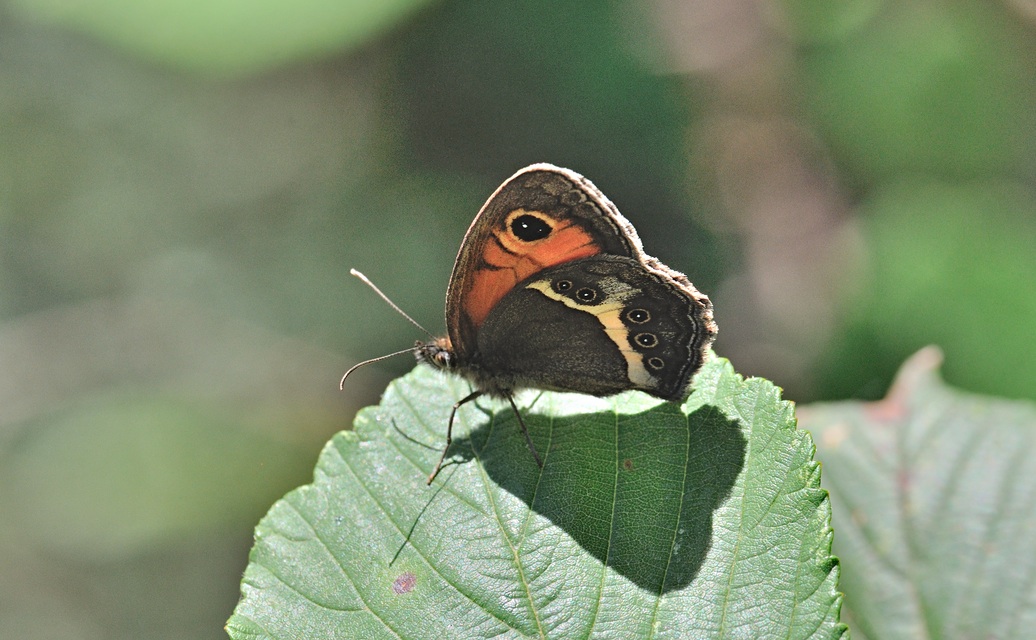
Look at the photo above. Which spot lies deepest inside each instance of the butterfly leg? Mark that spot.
(449, 432)
(525, 432)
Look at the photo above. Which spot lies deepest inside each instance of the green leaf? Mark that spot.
(934, 494)
(647, 520)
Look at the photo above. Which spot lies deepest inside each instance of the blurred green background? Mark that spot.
(184, 186)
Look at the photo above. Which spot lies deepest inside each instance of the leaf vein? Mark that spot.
(359, 482)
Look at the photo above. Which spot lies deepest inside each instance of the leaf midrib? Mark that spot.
(676, 527)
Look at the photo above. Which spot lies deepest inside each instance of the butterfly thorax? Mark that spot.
(440, 354)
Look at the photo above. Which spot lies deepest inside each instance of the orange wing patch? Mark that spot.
(507, 260)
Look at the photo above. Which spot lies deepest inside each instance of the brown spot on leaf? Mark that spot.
(404, 583)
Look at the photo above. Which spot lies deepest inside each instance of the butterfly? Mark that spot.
(552, 290)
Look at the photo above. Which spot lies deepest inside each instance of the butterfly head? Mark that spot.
(438, 353)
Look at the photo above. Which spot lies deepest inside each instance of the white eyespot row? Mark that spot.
(609, 314)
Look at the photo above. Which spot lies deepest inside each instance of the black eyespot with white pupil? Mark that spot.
(562, 286)
(646, 340)
(586, 294)
(529, 228)
(638, 316)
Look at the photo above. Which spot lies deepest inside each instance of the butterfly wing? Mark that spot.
(597, 325)
(540, 217)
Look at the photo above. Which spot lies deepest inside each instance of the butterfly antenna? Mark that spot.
(341, 385)
(384, 297)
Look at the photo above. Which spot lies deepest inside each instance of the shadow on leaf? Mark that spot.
(637, 491)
